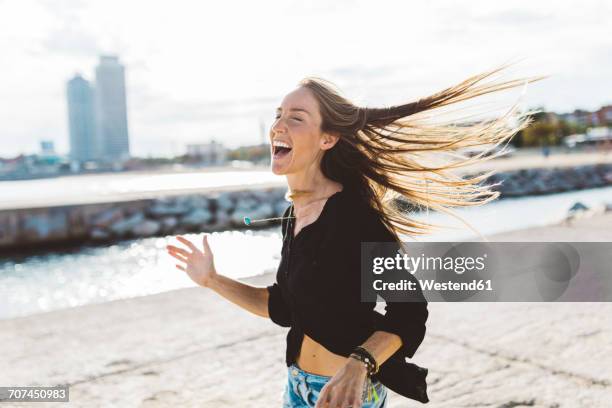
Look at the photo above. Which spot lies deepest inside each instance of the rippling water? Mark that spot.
(128, 269)
(141, 267)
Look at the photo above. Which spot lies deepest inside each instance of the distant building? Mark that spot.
(212, 153)
(582, 117)
(111, 109)
(599, 133)
(84, 145)
(604, 114)
(47, 155)
(47, 148)
(594, 136)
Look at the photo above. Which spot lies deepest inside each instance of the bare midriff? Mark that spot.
(316, 359)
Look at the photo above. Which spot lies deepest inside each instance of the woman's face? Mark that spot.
(297, 142)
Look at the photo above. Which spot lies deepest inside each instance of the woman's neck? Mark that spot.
(310, 188)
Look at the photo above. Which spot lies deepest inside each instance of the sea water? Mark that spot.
(45, 282)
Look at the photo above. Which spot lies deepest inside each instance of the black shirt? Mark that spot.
(317, 292)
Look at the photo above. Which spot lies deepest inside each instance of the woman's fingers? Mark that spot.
(177, 250)
(182, 268)
(322, 400)
(187, 242)
(336, 397)
(355, 403)
(337, 401)
(205, 244)
(178, 256)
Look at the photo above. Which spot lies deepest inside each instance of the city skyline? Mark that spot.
(199, 78)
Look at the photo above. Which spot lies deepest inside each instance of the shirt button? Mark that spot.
(294, 372)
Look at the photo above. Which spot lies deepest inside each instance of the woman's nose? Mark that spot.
(278, 126)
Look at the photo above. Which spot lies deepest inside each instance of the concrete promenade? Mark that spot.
(192, 348)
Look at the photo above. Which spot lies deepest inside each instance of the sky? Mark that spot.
(198, 71)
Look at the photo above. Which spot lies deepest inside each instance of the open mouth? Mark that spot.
(280, 151)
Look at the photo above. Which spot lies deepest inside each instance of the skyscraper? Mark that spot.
(83, 141)
(111, 111)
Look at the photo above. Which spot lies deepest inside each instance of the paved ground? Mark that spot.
(191, 348)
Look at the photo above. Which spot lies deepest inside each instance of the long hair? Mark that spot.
(381, 151)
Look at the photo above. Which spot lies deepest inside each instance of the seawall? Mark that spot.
(221, 210)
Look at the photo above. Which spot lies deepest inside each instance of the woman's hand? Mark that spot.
(345, 388)
(198, 264)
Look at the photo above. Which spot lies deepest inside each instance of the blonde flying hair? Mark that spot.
(382, 152)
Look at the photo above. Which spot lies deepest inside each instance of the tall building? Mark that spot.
(83, 142)
(111, 111)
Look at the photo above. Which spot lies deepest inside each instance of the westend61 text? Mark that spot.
(430, 284)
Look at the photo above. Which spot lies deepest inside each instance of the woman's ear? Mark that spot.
(329, 140)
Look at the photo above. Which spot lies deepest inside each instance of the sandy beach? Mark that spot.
(192, 348)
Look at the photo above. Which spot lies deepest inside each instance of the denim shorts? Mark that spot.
(303, 389)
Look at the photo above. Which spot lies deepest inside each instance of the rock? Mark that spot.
(246, 204)
(45, 224)
(99, 234)
(280, 206)
(167, 224)
(198, 202)
(224, 203)
(196, 218)
(124, 226)
(261, 195)
(265, 210)
(578, 206)
(163, 209)
(106, 218)
(146, 228)
(222, 222)
(579, 210)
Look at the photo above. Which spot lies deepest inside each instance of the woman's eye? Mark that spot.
(277, 116)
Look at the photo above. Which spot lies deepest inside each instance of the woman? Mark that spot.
(345, 166)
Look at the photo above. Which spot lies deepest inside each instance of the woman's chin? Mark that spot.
(278, 169)
(280, 166)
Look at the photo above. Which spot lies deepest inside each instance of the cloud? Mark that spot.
(195, 69)
(70, 41)
(516, 17)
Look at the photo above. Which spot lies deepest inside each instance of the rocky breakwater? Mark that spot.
(178, 215)
(551, 180)
(226, 210)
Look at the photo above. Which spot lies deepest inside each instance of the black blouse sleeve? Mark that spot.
(406, 319)
(278, 309)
